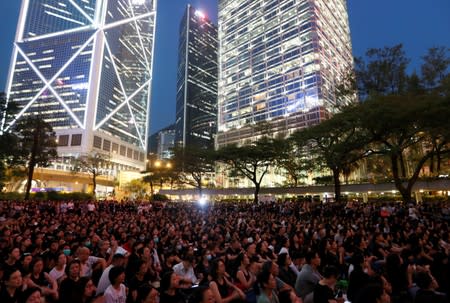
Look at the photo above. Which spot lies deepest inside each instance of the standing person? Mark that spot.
(324, 290)
(309, 276)
(116, 292)
(224, 291)
(268, 286)
(12, 286)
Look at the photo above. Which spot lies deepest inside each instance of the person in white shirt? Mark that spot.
(88, 261)
(185, 270)
(103, 283)
(116, 292)
(59, 270)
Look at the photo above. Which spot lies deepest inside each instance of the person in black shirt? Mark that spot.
(12, 286)
(170, 288)
(324, 290)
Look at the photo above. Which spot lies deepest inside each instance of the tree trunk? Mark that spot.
(94, 183)
(405, 192)
(32, 162)
(439, 161)
(256, 193)
(29, 180)
(432, 165)
(152, 192)
(402, 165)
(337, 185)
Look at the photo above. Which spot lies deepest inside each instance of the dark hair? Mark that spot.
(263, 277)
(239, 259)
(370, 293)
(67, 270)
(267, 266)
(281, 261)
(34, 261)
(310, 255)
(330, 271)
(165, 281)
(8, 273)
(214, 268)
(143, 291)
(23, 297)
(114, 273)
(117, 257)
(423, 280)
(197, 295)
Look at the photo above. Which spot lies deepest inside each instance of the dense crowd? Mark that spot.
(224, 252)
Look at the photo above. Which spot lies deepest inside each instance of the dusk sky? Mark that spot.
(419, 25)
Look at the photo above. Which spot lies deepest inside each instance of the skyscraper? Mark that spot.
(280, 61)
(196, 109)
(85, 66)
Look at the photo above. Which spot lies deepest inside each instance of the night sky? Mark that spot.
(419, 25)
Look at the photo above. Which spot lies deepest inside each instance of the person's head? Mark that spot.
(147, 294)
(187, 261)
(424, 280)
(116, 275)
(331, 274)
(73, 269)
(202, 294)
(86, 287)
(170, 280)
(83, 254)
(30, 295)
(217, 269)
(372, 293)
(12, 278)
(142, 267)
(283, 260)
(267, 280)
(242, 259)
(62, 259)
(14, 254)
(312, 258)
(37, 265)
(118, 260)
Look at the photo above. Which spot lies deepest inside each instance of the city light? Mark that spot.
(200, 14)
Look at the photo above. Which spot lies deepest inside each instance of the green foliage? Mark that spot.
(250, 161)
(92, 164)
(159, 197)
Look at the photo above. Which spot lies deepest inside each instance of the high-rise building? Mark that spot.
(280, 61)
(85, 66)
(166, 142)
(196, 109)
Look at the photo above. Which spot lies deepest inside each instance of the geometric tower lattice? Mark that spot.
(85, 64)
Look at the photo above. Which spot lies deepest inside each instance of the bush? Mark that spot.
(52, 195)
(159, 197)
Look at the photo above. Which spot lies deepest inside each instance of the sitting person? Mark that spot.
(268, 285)
(427, 289)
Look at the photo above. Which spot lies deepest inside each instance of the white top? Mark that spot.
(187, 274)
(56, 274)
(115, 296)
(86, 269)
(104, 282)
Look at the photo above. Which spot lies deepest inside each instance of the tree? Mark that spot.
(192, 164)
(10, 151)
(37, 144)
(407, 118)
(92, 164)
(250, 161)
(294, 160)
(337, 143)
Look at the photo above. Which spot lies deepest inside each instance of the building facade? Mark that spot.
(85, 66)
(280, 61)
(196, 106)
(166, 142)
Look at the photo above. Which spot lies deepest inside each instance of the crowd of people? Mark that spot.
(276, 252)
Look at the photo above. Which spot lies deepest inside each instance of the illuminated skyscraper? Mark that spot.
(85, 66)
(196, 109)
(280, 61)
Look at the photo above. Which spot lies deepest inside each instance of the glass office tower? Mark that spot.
(85, 66)
(280, 61)
(196, 109)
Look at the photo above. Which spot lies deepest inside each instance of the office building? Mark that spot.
(196, 106)
(280, 61)
(85, 66)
